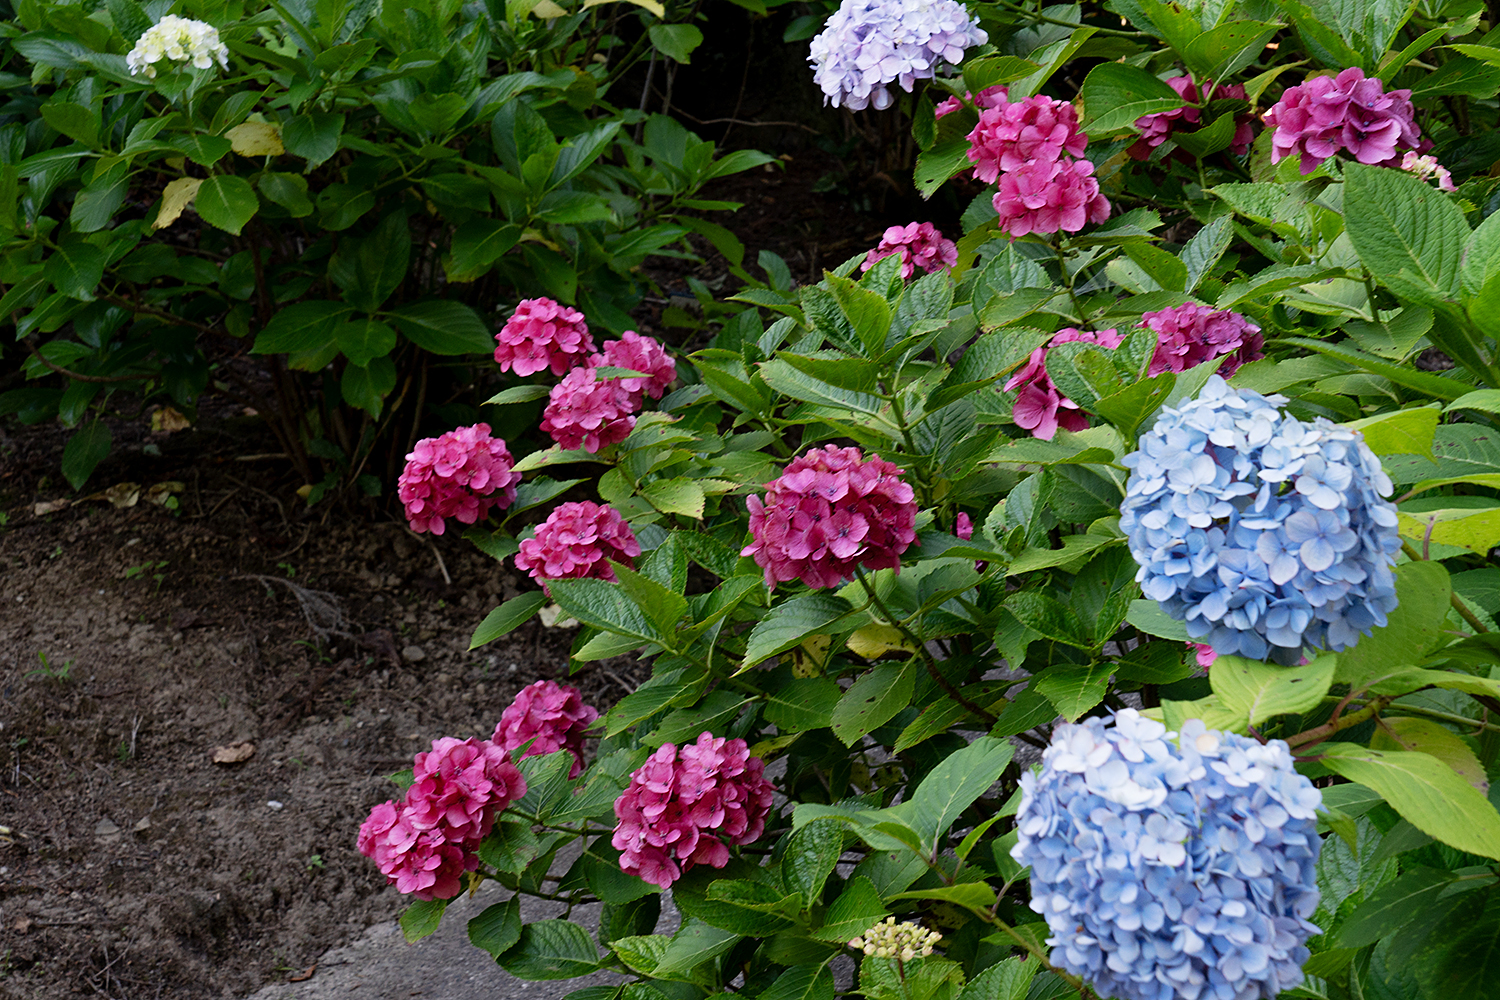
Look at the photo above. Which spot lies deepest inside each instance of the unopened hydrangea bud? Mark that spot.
(1427, 167)
(889, 939)
(180, 40)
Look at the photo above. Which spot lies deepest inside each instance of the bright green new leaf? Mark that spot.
(1400, 432)
(1115, 95)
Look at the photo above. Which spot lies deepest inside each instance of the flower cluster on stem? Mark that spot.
(867, 45)
(462, 474)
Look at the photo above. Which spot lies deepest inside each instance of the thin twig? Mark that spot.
(82, 378)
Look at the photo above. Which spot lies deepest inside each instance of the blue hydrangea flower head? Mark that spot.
(1171, 870)
(868, 44)
(1267, 535)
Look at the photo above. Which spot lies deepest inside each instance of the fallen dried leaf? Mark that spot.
(168, 420)
(304, 975)
(162, 492)
(50, 506)
(22, 925)
(234, 753)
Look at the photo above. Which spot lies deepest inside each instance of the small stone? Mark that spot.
(275, 806)
(106, 829)
(142, 825)
(414, 654)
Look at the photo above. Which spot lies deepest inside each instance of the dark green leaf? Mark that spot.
(507, 617)
(367, 386)
(1393, 906)
(445, 327)
(88, 446)
(790, 623)
(873, 700)
(498, 928)
(551, 949)
(957, 781)
(75, 269)
(1115, 95)
(226, 201)
(422, 918)
(314, 137)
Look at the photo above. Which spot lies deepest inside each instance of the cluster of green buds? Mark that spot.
(904, 941)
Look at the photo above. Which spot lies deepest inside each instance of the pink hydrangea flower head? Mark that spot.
(1204, 654)
(1011, 135)
(1190, 334)
(919, 244)
(963, 527)
(461, 474)
(831, 511)
(1157, 127)
(576, 541)
(989, 97)
(1048, 196)
(584, 412)
(459, 785)
(639, 354)
(542, 334)
(1350, 113)
(550, 715)
(420, 863)
(1039, 407)
(685, 808)
(1427, 167)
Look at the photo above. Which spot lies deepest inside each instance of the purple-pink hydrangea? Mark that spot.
(543, 334)
(584, 411)
(1352, 113)
(1049, 196)
(1156, 128)
(576, 541)
(989, 97)
(920, 244)
(1427, 167)
(830, 512)
(639, 354)
(549, 715)
(1190, 334)
(1033, 131)
(1039, 407)
(461, 474)
(686, 807)
(867, 45)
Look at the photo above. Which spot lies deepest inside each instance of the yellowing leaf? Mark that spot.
(650, 5)
(177, 196)
(1425, 736)
(1477, 530)
(874, 641)
(255, 139)
(547, 9)
(808, 659)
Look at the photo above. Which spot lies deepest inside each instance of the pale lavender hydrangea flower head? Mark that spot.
(869, 44)
(1171, 870)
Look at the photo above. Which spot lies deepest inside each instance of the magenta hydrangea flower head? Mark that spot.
(831, 511)
(639, 354)
(461, 474)
(586, 412)
(867, 45)
(1351, 113)
(1049, 196)
(684, 808)
(543, 334)
(1156, 128)
(420, 863)
(550, 715)
(989, 97)
(1039, 407)
(1190, 334)
(920, 244)
(576, 542)
(1036, 130)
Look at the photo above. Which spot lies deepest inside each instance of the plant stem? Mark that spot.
(1337, 724)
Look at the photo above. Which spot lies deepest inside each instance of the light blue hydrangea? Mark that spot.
(868, 44)
(1267, 535)
(1171, 870)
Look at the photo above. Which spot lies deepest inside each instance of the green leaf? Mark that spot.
(602, 605)
(227, 202)
(802, 704)
(977, 896)
(98, 202)
(1115, 95)
(518, 394)
(1255, 691)
(303, 326)
(1167, 271)
(944, 714)
(73, 120)
(75, 269)
(444, 327)
(785, 379)
(367, 386)
(811, 855)
(1393, 906)
(498, 928)
(936, 165)
(694, 943)
(1401, 432)
(676, 41)
(868, 313)
(1151, 619)
(422, 918)
(1226, 49)
(204, 150)
(551, 949)
(314, 137)
(287, 190)
(857, 909)
(675, 496)
(1423, 592)
(1429, 737)
(747, 908)
(507, 617)
(788, 624)
(810, 981)
(1049, 618)
(661, 606)
(1007, 980)
(1425, 791)
(88, 446)
(1431, 385)
(1409, 234)
(1073, 690)
(476, 246)
(954, 785)
(1205, 249)
(363, 340)
(1463, 957)
(1472, 523)
(873, 700)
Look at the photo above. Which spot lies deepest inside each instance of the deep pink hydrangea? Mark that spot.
(831, 511)
(989, 97)
(685, 808)
(1156, 128)
(575, 541)
(585, 412)
(543, 334)
(1190, 334)
(1039, 407)
(920, 244)
(552, 716)
(1036, 130)
(963, 527)
(424, 843)
(1048, 196)
(1205, 655)
(460, 474)
(1349, 112)
(639, 354)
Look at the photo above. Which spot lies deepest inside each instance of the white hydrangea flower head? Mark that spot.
(181, 40)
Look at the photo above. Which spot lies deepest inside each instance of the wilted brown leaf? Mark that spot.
(234, 753)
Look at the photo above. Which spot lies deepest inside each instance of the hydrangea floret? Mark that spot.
(1427, 168)
(1157, 128)
(543, 334)
(867, 45)
(1010, 135)
(1267, 535)
(180, 40)
(905, 941)
(636, 353)
(1039, 407)
(1350, 113)
(1170, 870)
(831, 511)
(463, 474)
(551, 717)
(919, 244)
(1049, 196)
(1190, 334)
(585, 411)
(989, 97)
(577, 541)
(685, 808)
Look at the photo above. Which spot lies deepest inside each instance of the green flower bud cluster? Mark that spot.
(905, 940)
